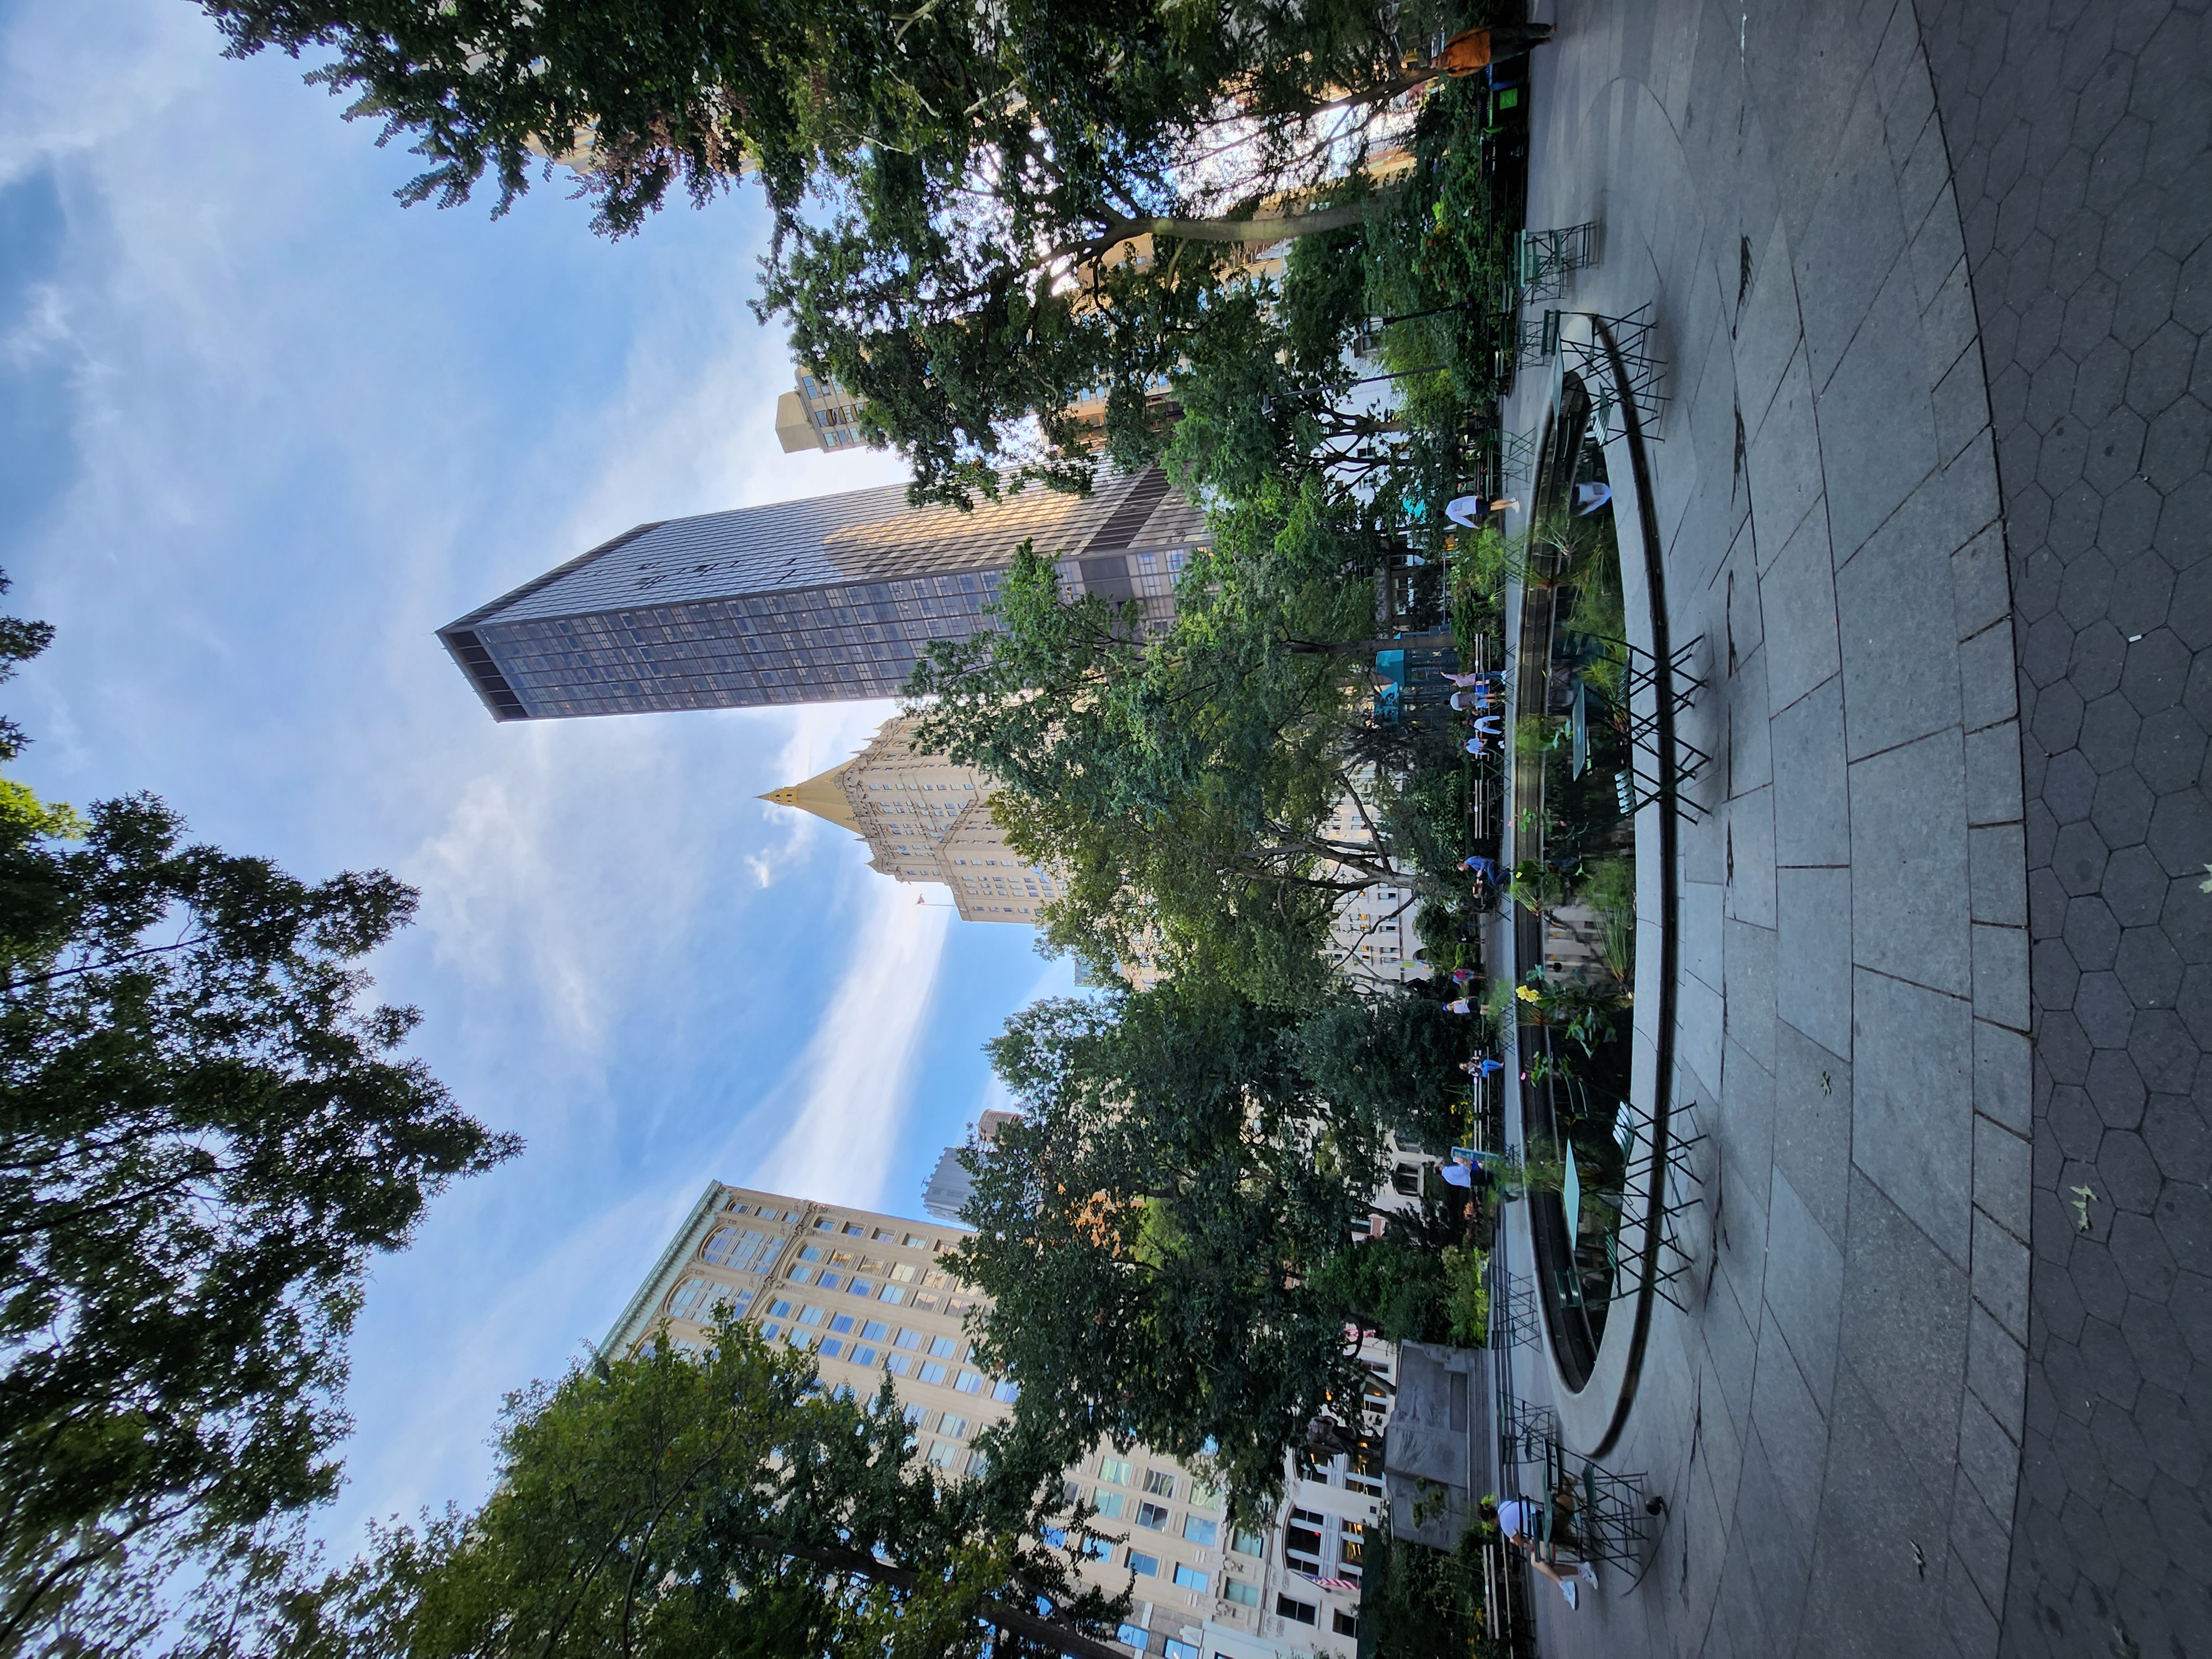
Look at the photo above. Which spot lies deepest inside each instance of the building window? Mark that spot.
(841, 1322)
(1159, 1483)
(1134, 1636)
(692, 1298)
(909, 1338)
(916, 1242)
(856, 1230)
(898, 1363)
(1351, 1545)
(944, 1347)
(942, 1452)
(1200, 1531)
(727, 1247)
(1303, 1613)
(864, 1356)
(1301, 1541)
(955, 1426)
(969, 1383)
(1005, 1393)
(1346, 1624)
(831, 1347)
(1144, 1565)
(1243, 1594)
(859, 1287)
(780, 1311)
(1249, 1543)
(1153, 1516)
(830, 1282)
(1109, 1503)
(893, 1293)
(875, 1330)
(811, 1315)
(1191, 1579)
(824, 1224)
(932, 1372)
(1113, 1469)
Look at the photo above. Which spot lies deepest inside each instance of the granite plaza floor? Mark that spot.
(1932, 281)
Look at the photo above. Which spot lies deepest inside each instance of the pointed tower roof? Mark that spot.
(822, 795)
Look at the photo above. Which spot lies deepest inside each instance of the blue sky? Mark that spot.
(261, 432)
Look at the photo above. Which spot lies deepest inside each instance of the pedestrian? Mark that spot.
(1481, 1065)
(1481, 866)
(1477, 746)
(1492, 677)
(1520, 1520)
(1489, 725)
(1469, 512)
(1477, 49)
(1482, 697)
(1462, 975)
(1460, 1006)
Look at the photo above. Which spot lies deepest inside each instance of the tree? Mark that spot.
(982, 210)
(1395, 1058)
(204, 1136)
(1149, 1233)
(1182, 784)
(664, 1505)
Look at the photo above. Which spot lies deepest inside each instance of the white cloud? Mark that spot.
(853, 1086)
(77, 77)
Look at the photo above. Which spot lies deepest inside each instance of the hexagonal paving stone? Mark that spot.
(2180, 831)
(2135, 887)
(2156, 671)
(2121, 814)
(2149, 968)
(2170, 750)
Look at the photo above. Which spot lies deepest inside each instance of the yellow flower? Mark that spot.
(1529, 994)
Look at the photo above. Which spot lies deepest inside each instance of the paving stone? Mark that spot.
(1909, 913)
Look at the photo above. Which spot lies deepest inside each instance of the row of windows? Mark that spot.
(697, 1298)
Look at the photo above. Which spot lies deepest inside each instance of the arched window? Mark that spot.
(692, 1298)
(728, 1247)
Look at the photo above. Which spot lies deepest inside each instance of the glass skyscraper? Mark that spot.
(806, 601)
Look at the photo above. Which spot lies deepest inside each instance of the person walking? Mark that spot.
(1490, 676)
(1469, 512)
(1481, 866)
(1521, 1520)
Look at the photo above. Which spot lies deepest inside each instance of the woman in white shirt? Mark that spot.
(1522, 1521)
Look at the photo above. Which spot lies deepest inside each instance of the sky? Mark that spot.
(262, 431)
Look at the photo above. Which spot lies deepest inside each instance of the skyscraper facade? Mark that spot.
(820, 600)
(869, 1295)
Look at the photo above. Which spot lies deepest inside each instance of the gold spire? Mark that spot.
(822, 795)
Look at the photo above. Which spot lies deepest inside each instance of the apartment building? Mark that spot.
(868, 1293)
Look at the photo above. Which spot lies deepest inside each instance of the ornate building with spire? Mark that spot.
(926, 819)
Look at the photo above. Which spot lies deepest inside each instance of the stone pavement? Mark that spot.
(1886, 1425)
(2079, 138)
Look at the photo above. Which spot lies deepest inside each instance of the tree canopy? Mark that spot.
(206, 1133)
(665, 1506)
(984, 211)
(1182, 783)
(1157, 1231)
